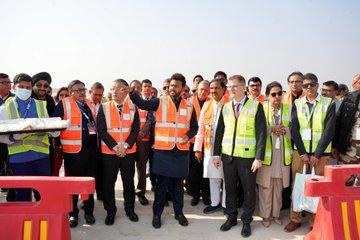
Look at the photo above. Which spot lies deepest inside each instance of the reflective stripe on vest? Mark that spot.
(71, 138)
(318, 119)
(194, 101)
(172, 125)
(243, 129)
(285, 141)
(38, 142)
(143, 115)
(119, 128)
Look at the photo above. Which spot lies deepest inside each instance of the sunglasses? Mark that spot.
(307, 85)
(279, 94)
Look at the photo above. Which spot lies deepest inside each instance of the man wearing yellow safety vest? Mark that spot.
(118, 126)
(313, 126)
(204, 144)
(240, 140)
(28, 152)
(79, 143)
(198, 186)
(175, 125)
(274, 175)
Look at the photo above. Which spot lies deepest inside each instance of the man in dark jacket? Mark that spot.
(347, 134)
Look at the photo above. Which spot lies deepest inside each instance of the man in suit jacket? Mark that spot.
(240, 140)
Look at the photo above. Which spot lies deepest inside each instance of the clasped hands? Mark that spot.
(120, 150)
(278, 130)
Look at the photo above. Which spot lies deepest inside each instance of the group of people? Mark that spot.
(220, 140)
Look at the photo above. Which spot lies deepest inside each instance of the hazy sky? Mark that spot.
(104, 40)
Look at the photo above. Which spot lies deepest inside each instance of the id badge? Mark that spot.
(306, 134)
(91, 128)
(277, 143)
(357, 134)
(182, 112)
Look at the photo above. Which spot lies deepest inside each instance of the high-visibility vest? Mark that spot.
(285, 115)
(239, 139)
(142, 115)
(71, 138)
(172, 125)
(118, 127)
(38, 142)
(318, 119)
(209, 122)
(194, 101)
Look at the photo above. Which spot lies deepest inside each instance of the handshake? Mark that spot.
(120, 149)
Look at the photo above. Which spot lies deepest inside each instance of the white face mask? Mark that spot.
(23, 93)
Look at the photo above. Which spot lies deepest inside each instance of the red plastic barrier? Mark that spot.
(48, 218)
(338, 212)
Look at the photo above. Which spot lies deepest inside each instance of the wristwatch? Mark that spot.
(126, 145)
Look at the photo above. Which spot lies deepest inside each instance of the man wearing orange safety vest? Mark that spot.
(175, 125)
(197, 184)
(204, 144)
(118, 126)
(79, 143)
(254, 89)
(143, 143)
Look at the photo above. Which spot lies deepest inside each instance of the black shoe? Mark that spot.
(89, 219)
(99, 198)
(246, 230)
(211, 209)
(143, 200)
(132, 216)
(194, 201)
(156, 222)
(206, 201)
(228, 225)
(182, 220)
(73, 221)
(110, 219)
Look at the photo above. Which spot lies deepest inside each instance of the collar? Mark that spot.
(242, 101)
(317, 99)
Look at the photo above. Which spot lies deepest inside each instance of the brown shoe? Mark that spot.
(292, 226)
(266, 222)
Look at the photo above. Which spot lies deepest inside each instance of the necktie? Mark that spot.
(120, 108)
(237, 110)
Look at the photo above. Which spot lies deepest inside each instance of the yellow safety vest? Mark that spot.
(286, 141)
(318, 118)
(36, 142)
(240, 132)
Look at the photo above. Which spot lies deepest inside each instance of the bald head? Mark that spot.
(356, 82)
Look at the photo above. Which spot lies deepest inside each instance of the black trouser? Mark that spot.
(152, 175)
(82, 164)
(143, 148)
(239, 167)
(198, 185)
(99, 176)
(111, 165)
(175, 187)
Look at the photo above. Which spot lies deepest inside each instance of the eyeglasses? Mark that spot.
(309, 85)
(39, 85)
(80, 90)
(6, 82)
(278, 94)
(254, 85)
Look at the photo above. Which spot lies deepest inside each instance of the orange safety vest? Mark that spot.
(194, 101)
(172, 125)
(142, 115)
(227, 97)
(118, 127)
(71, 138)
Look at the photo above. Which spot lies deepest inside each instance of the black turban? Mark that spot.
(41, 76)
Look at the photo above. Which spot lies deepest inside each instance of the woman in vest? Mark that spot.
(275, 173)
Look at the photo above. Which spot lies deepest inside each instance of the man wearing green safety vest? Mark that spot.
(313, 126)
(29, 153)
(240, 140)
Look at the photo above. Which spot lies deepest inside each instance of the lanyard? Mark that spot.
(309, 117)
(26, 109)
(273, 116)
(83, 111)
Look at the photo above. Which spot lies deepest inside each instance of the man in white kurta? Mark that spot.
(204, 142)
